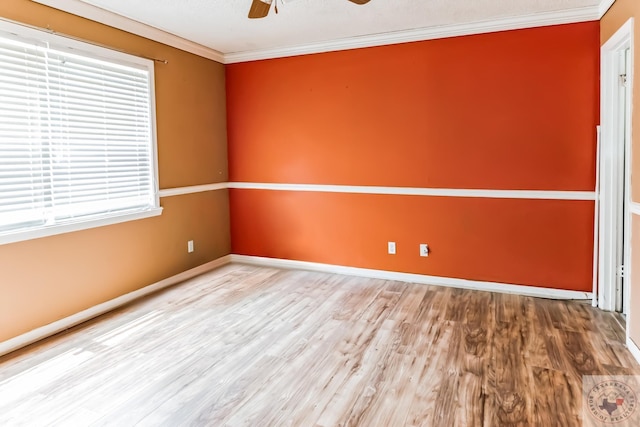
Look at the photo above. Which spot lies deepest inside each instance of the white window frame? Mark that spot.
(86, 49)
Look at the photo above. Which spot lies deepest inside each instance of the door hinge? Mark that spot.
(621, 271)
(623, 80)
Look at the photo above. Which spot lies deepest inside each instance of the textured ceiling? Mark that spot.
(223, 24)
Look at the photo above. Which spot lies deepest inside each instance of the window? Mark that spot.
(77, 135)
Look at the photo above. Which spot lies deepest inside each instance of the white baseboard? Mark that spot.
(95, 311)
(416, 278)
(633, 348)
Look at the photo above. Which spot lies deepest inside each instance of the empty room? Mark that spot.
(319, 213)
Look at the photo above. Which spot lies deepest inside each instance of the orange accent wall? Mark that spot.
(44, 280)
(508, 110)
(539, 243)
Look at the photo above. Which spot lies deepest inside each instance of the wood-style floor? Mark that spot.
(250, 346)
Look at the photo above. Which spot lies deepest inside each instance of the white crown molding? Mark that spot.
(528, 21)
(604, 6)
(414, 191)
(95, 311)
(414, 278)
(179, 191)
(94, 13)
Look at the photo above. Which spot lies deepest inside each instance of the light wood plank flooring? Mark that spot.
(250, 346)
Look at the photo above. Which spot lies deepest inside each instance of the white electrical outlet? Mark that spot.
(190, 246)
(424, 249)
(391, 248)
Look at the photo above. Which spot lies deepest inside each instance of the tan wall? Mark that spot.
(620, 13)
(47, 279)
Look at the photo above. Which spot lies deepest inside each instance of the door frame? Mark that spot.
(609, 212)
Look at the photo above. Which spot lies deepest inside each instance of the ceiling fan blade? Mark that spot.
(359, 1)
(259, 9)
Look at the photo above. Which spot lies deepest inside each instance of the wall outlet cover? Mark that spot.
(424, 249)
(391, 248)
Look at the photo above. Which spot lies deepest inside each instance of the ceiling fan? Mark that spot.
(260, 8)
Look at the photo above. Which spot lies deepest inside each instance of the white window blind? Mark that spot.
(76, 135)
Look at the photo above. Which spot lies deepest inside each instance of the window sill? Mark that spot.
(36, 233)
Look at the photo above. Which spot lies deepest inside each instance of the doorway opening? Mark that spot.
(614, 174)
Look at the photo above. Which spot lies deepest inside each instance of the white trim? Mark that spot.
(414, 278)
(97, 310)
(611, 180)
(604, 7)
(633, 348)
(94, 13)
(628, 273)
(414, 191)
(154, 131)
(36, 233)
(503, 24)
(367, 189)
(179, 191)
(634, 208)
(596, 223)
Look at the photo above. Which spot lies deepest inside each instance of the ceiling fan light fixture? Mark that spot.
(259, 8)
